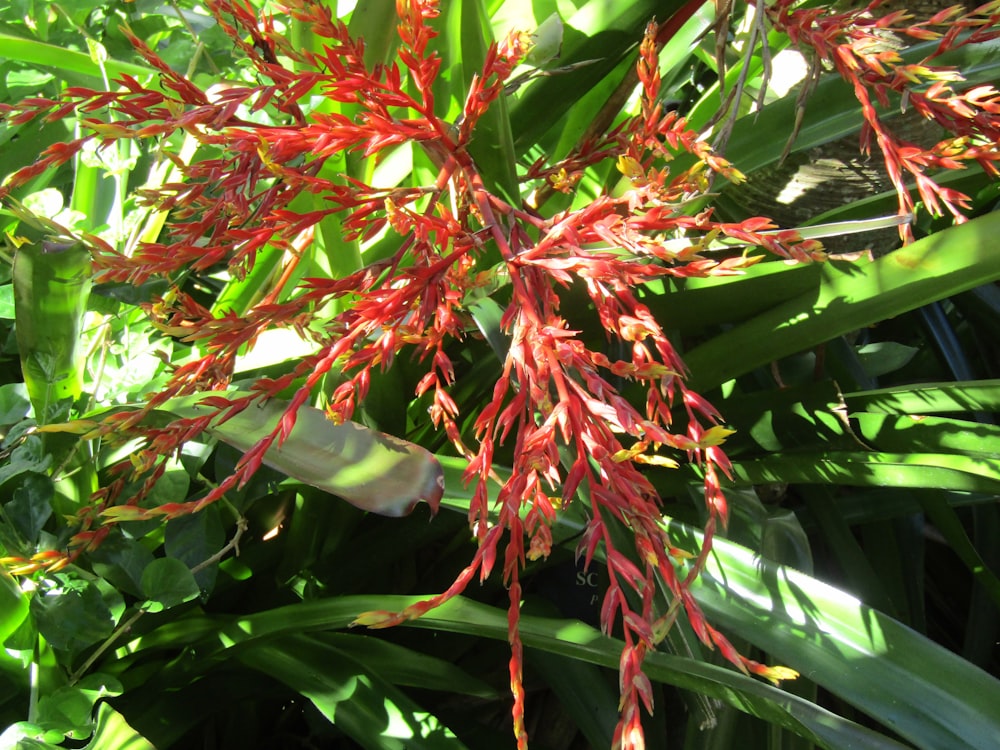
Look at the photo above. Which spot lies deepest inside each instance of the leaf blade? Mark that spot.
(371, 470)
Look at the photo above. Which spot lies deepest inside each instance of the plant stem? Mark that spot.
(123, 628)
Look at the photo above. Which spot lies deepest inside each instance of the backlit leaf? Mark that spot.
(371, 470)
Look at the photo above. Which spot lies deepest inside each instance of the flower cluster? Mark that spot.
(863, 46)
(271, 183)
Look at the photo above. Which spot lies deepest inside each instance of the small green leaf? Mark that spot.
(69, 709)
(121, 561)
(113, 731)
(72, 614)
(30, 455)
(14, 403)
(166, 583)
(31, 505)
(195, 538)
(884, 357)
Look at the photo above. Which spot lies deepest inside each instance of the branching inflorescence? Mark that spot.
(854, 43)
(575, 437)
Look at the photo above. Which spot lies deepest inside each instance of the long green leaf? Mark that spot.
(404, 666)
(60, 58)
(694, 304)
(466, 36)
(859, 469)
(568, 638)
(929, 398)
(930, 696)
(947, 521)
(596, 39)
(853, 296)
(350, 695)
(920, 433)
(52, 283)
(583, 691)
(369, 22)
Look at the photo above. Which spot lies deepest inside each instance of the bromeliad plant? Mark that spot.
(287, 183)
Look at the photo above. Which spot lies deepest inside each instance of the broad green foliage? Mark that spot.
(265, 289)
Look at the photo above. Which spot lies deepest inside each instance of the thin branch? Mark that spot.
(99, 651)
(233, 544)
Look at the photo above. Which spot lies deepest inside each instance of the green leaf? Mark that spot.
(884, 357)
(72, 614)
(14, 403)
(162, 706)
(121, 561)
(167, 583)
(60, 58)
(239, 295)
(30, 456)
(832, 111)
(113, 731)
(350, 695)
(31, 505)
(488, 314)
(947, 521)
(24, 735)
(693, 304)
(368, 22)
(890, 432)
(568, 638)
(854, 468)
(583, 690)
(13, 605)
(929, 398)
(371, 470)
(465, 38)
(7, 302)
(852, 296)
(928, 695)
(69, 709)
(404, 666)
(194, 539)
(596, 38)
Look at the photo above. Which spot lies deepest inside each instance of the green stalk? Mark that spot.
(51, 286)
(52, 283)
